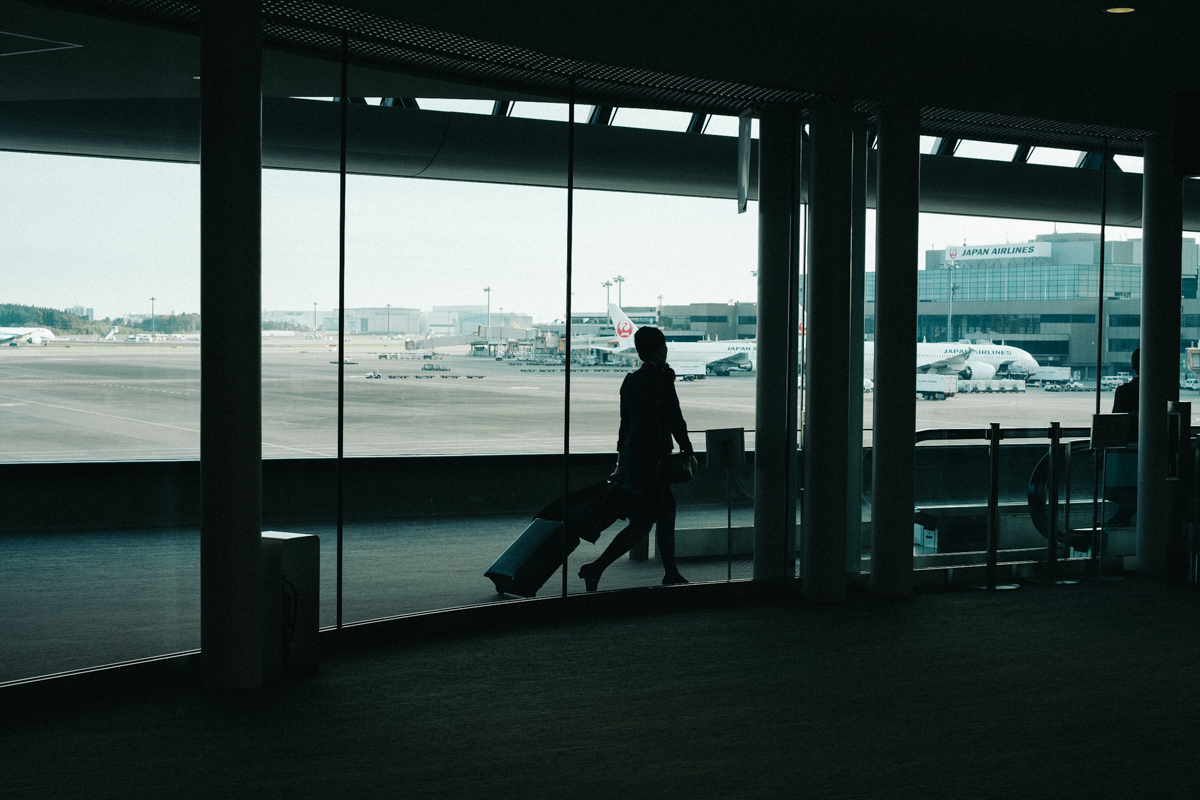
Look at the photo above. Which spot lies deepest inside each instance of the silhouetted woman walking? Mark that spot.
(650, 417)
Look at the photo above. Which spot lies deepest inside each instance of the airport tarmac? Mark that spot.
(69, 401)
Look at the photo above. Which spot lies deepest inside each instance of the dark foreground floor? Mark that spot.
(1085, 691)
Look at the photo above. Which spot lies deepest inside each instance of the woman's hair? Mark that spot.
(647, 340)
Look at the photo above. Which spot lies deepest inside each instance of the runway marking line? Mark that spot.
(99, 414)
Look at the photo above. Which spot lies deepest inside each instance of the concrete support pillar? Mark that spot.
(231, 365)
(774, 443)
(854, 412)
(1162, 230)
(897, 257)
(828, 334)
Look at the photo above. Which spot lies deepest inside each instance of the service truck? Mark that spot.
(936, 387)
(1046, 375)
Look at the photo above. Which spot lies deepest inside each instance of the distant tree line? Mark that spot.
(66, 324)
(18, 316)
(166, 323)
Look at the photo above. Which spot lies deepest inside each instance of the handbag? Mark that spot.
(675, 468)
(672, 467)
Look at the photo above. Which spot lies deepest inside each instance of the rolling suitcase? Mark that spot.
(531, 559)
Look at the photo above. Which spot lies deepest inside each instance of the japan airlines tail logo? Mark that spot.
(952, 253)
(625, 329)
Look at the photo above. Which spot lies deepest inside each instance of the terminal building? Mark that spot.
(1043, 296)
(385, 321)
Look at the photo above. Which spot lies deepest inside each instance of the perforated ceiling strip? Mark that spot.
(315, 28)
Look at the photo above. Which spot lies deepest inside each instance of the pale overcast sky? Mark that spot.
(109, 234)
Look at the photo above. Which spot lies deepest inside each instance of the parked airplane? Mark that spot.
(31, 335)
(972, 361)
(687, 358)
(980, 361)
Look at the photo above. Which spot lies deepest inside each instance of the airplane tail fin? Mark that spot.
(622, 323)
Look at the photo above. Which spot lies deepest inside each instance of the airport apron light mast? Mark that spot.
(950, 267)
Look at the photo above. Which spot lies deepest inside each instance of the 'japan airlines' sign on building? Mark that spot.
(993, 251)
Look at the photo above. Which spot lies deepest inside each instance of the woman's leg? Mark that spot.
(621, 544)
(664, 537)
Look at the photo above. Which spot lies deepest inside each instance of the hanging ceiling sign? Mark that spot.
(994, 251)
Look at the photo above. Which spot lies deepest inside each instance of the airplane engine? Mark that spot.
(747, 366)
(34, 339)
(978, 371)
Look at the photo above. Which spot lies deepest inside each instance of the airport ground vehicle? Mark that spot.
(1046, 375)
(434, 368)
(937, 387)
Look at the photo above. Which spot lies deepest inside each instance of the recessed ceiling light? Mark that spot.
(195, 77)
(1120, 10)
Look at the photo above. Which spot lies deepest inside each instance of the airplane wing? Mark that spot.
(956, 362)
(728, 361)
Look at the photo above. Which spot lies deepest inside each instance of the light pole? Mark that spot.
(152, 316)
(950, 299)
(619, 280)
(658, 319)
(488, 289)
(314, 320)
(389, 319)
(607, 297)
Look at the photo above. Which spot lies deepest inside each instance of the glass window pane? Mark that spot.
(721, 125)
(99, 368)
(453, 416)
(1129, 163)
(557, 112)
(1054, 157)
(457, 105)
(991, 151)
(652, 119)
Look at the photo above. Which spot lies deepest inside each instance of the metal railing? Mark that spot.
(993, 435)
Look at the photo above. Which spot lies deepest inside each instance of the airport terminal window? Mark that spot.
(1124, 320)
(1054, 157)
(1068, 319)
(651, 119)
(1001, 323)
(990, 151)
(456, 105)
(99, 378)
(1123, 345)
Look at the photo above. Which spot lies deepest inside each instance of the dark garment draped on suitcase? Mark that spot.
(592, 509)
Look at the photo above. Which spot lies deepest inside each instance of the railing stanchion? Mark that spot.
(993, 518)
(993, 435)
(1052, 533)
